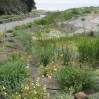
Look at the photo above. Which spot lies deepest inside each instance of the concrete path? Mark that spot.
(10, 25)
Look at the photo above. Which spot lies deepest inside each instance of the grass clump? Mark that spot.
(10, 45)
(10, 40)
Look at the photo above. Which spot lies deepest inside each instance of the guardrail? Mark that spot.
(6, 24)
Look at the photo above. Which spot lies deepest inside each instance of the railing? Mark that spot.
(6, 24)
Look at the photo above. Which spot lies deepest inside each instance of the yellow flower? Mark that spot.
(21, 58)
(30, 56)
(72, 62)
(55, 68)
(69, 89)
(4, 88)
(10, 58)
(61, 55)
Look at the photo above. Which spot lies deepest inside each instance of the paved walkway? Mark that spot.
(10, 25)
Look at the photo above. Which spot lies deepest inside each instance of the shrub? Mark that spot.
(64, 95)
(47, 71)
(26, 39)
(15, 33)
(82, 19)
(2, 35)
(89, 51)
(10, 45)
(68, 56)
(91, 33)
(43, 54)
(71, 77)
(10, 31)
(75, 11)
(32, 90)
(10, 40)
(15, 56)
(12, 75)
(17, 28)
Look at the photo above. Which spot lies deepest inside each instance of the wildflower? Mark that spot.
(42, 75)
(49, 77)
(61, 55)
(72, 62)
(55, 68)
(30, 56)
(35, 92)
(28, 60)
(26, 53)
(4, 88)
(27, 87)
(10, 58)
(22, 58)
(27, 67)
(38, 79)
(69, 89)
(96, 70)
(5, 93)
(44, 88)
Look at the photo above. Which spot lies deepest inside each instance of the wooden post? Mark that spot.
(80, 95)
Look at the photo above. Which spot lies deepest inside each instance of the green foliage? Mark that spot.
(10, 31)
(33, 90)
(63, 96)
(2, 35)
(91, 33)
(71, 77)
(89, 51)
(30, 90)
(10, 45)
(76, 11)
(10, 40)
(15, 56)
(87, 10)
(12, 75)
(68, 56)
(22, 6)
(59, 16)
(17, 28)
(43, 55)
(82, 19)
(47, 71)
(26, 39)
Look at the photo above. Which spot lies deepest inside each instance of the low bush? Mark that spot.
(12, 75)
(26, 39)
(47, 71)
(2, 35)
(76, 78)
(89, 51)
(10, 40)
(10, 45)
(31, 90)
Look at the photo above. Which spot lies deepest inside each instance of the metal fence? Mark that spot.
(9, 23)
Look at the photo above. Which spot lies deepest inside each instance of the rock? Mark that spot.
(80, 95)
